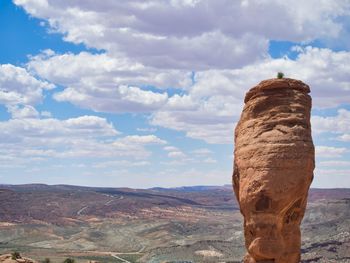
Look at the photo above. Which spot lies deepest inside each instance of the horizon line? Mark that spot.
(162, 187)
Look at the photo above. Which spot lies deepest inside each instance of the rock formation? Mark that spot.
(8, 258)
(273, 168)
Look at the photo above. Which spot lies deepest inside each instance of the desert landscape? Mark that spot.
(178, 131)
(186, 224)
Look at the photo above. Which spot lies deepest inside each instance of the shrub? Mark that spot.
(46, 260)
(15, 255)
(69, 260)
(280, 75)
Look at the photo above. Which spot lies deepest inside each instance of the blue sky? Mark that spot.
(147, 93)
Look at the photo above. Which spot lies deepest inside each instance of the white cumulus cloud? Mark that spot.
(330, 151)
(339, 124)
(190, 34)
(17, 86)
(213, 104)
(28, 140)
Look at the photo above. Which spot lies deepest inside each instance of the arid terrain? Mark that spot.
(188, 224)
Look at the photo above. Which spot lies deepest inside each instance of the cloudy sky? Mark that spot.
(147, 93)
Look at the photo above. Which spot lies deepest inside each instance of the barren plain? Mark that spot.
(187, 224)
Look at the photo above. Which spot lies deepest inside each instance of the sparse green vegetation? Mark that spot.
(46, 260)
(280, 75)
(15, 255)
(69, 260)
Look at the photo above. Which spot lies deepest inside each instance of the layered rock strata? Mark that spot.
(273, 168)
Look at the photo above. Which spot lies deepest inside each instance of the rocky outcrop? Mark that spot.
(8, 258)
(273, 168)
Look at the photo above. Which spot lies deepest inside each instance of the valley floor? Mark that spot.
(155, 225)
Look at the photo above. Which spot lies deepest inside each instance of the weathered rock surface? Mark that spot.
(7, 258)
(273, 168)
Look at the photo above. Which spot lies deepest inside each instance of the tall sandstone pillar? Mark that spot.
(273, 168)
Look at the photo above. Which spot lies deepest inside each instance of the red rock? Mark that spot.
(273, 168)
